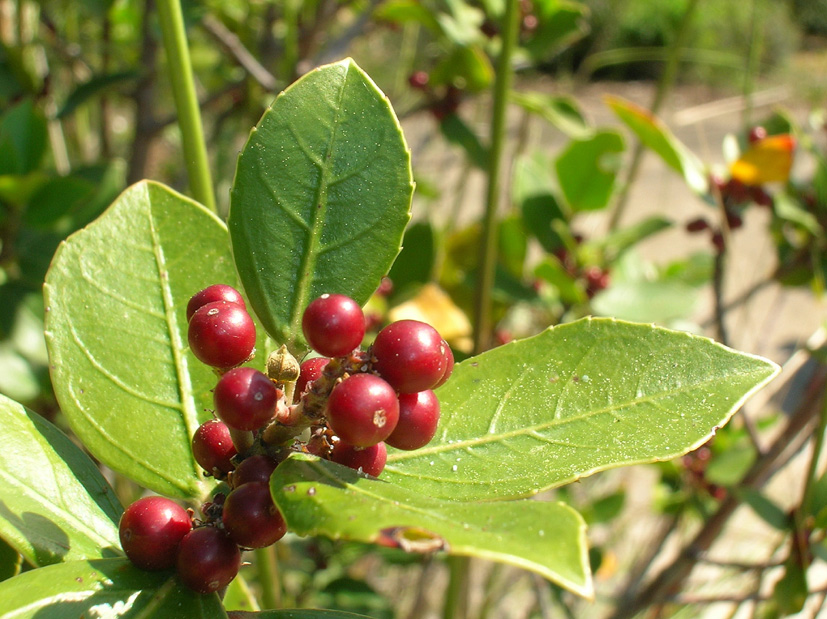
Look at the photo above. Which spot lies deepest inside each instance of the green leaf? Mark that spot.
(23, 139)
(767, 509)
(456, 131)
(95, 85)
(574, 400)
(103, 588)
(560, 24)
(561, 111)
(415, 263)
(318, 497)
(791, 591)
(116, 329)
(655, 136)
(587, 168)
(321, 196)
(407, 11)
(646, 301)
(535, 194)
(465, 65)
(56, 505)
(239, 596)
(617, 242)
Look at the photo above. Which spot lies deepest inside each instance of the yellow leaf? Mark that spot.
(433, 306)
(766, 161)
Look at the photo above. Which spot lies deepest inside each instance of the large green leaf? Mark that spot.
(56, 505)
(654, 135)
(318, 497)
(587, 169)
(103, 588)
(116, 329)
(321, 196)
(576, 399)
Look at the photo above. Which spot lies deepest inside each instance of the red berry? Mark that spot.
(418, 419)
(207, 559)
(216, 292)
(222, 334)
(362, 410)
(251, 518)
(449, 365)
(697, 225)
(150, 531)
(410, 355)
(245, 399)
(333, 325)
(213, 447)
(309, 371)
(370, 460)
(418, 80)
(756, 134)
(256, 468)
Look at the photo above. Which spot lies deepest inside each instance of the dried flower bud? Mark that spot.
(282, 367)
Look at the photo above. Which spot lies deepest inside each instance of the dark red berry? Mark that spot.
(697, 225)
(256, 468)
(309, 371)
(418, 80)
(718, 242)
(150, 531)
(449, 364)
(418, 419)
(596, 280)
(207, 559)
(251, 518)
(733, 219)
(213, 447)
(756, 134)
(410, 355)
(735, 192)
(333, 325)
(362, 410)
(222, 334)
(370, 460)
(245, 399)
(216, 292)
(761, 197)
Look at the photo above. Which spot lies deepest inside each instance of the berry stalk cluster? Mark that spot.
(345, 405)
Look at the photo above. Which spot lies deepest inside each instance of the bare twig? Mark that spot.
(241, 54)
(670, 578)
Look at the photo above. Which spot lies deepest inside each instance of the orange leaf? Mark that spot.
(766, 161)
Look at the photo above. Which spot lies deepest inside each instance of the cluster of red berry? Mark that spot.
(735, 196)
(350, 400)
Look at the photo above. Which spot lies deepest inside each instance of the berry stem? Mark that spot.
(174, 35)
(242, 439)
(310, 409)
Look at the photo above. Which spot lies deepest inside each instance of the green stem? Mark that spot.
(456, 595)
(268, 578)
(186, 102)
(488, 242)
(665, 83)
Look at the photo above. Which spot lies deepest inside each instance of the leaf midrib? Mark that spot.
(185, 390)
(319, 210)
(490, 438)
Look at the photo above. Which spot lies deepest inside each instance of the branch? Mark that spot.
(241, 54)
(670, 578)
